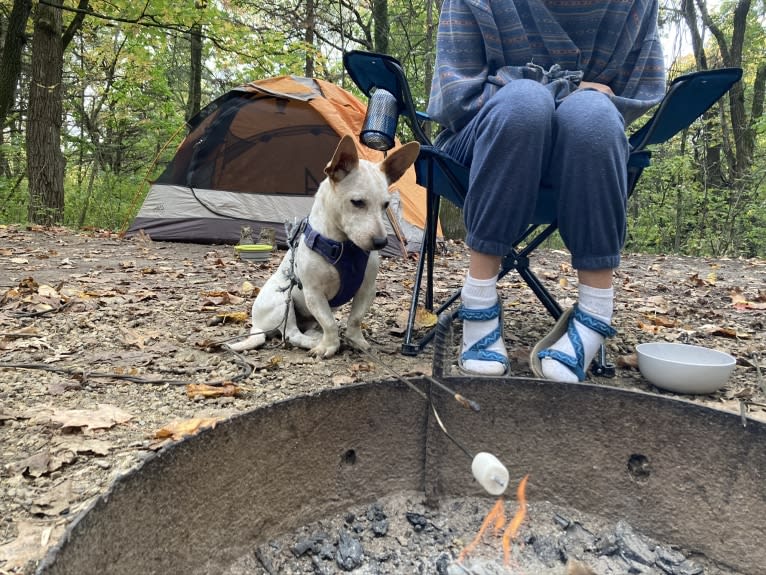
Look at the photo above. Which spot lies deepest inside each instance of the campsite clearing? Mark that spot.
(96, 304)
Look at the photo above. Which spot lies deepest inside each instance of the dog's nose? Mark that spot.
(379, 243)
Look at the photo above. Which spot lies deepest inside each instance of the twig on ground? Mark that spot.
(83, 375)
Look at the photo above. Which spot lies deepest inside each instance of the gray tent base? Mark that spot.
(212, 231)
(216, 217)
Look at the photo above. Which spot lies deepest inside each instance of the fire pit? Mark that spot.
(671, 469)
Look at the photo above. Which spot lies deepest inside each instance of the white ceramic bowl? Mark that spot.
(254, 252)
(684, 368)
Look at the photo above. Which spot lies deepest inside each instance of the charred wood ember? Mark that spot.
(398, 534)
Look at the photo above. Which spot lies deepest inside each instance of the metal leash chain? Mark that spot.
(293, 233)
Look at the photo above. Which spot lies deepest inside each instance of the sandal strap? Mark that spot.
(593, 323)
(479, 314)
(576, 363)
(478, 351)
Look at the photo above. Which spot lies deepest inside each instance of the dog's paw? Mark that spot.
(324, 351)
(358, 342)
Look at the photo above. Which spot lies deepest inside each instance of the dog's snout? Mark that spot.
(379, 243)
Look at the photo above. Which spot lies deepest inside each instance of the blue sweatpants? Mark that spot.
(520, 141)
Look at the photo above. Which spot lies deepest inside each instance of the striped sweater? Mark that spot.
(484, 44)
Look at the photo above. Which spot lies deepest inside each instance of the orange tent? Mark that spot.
(255, 156)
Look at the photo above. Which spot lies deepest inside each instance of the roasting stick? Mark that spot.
(461, 399)
(486, 468)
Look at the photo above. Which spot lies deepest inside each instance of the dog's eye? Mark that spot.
(358, 203)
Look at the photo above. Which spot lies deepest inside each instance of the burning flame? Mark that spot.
(496, 519)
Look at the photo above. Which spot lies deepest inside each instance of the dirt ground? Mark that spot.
(102, 340)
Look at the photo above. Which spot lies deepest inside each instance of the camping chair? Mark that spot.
(382, 80)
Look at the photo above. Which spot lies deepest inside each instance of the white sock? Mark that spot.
(596, 302)
(481, 294)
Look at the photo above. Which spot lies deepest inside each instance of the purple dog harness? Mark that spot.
(349, 259)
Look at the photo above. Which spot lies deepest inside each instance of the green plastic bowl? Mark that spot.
(254, 252)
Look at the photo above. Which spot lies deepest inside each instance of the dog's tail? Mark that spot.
(251, 342)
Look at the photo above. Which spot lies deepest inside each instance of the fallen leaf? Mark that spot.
(35, 465)
(79, 444)
(53, 502)
(204, 390)
(132, 338)
(662, 321)
(741, 301)
(179, 429)
(658, 301)
(648, 327)
(424, 319)
(105, 417)
(234, 316)
(712, 329)
(30, 543)
(248, 289)
(48, 291)
(628, 360)
(28, 331)
(342, 379)
(365, 367)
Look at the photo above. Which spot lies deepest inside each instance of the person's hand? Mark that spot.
(596, 86)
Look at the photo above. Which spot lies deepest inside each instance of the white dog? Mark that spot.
(336, 257)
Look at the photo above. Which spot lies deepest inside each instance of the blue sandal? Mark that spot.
(566, 324)
(478, 351)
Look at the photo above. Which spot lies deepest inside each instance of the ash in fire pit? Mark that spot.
(398, 534)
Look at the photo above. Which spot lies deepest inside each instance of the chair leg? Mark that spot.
(601, 366)
(408, 347)
(432, 226)
(425, 264)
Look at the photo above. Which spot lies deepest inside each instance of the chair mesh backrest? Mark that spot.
(688, 97)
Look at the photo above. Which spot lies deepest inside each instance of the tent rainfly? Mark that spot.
(255, 157)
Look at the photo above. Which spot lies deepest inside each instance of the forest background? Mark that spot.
(94, 95)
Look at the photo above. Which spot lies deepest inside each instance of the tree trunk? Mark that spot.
(10, 61)
(380, 17)
(194, 100)
(45, 162)
(731, 53)
(309, 37)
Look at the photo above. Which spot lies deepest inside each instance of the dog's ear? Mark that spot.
(344, 160)
(399, 161)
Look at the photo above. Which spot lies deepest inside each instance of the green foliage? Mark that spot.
(673, 211)
(127, 81)
(107, 204)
